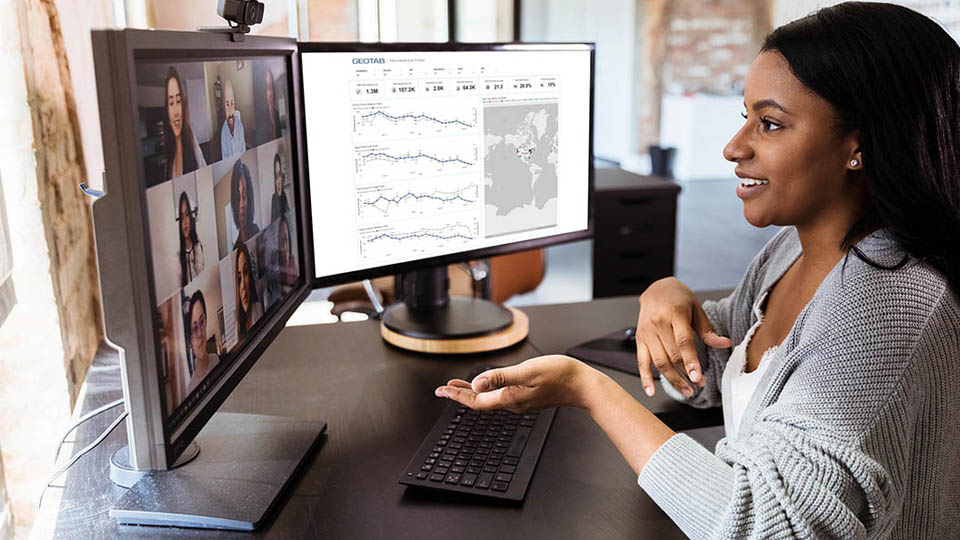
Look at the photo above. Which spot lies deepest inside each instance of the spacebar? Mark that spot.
(519, 441)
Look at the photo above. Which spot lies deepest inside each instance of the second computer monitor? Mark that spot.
(424, 154)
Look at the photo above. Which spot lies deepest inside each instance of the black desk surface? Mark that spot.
(379, 404)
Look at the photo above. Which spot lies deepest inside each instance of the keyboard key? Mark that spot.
(422, 475)
(429, 461)
(441, 470)
(508, 469)
(452, 478)
(426, 468)
(458, 470)
(436, 477)
(499, 486)
(461, 463)
(473, 470)
(483, 481)
(511, 461)
(490, 469)
(501, 477)
(434, 455)
(519, 441)
(468, 480)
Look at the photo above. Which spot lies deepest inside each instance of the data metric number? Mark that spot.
(404, 89)
(366, 90)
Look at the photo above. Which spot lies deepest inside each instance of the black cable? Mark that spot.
(81, 453)
(81, 420)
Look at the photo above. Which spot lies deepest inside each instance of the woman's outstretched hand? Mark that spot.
(670, 314)
(538, 383)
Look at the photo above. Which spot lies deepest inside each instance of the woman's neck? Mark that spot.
(178, 157)
(203, 365)
(188, 242)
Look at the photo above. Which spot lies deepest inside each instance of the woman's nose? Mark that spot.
(738, 148)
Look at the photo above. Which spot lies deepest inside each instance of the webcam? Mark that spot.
(240, 16)
(241, 12)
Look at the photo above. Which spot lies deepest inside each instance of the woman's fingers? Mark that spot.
(661, 359)
(683, 341)
(643, 365)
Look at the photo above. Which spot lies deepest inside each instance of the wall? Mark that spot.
(612, 27)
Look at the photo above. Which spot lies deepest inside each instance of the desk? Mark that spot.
(379, 404)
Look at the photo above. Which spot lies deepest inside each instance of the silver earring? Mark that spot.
(854, 162)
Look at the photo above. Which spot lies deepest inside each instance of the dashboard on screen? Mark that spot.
(414, 155)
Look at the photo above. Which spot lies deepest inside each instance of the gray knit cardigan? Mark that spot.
(854, 429)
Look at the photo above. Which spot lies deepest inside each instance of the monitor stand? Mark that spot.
(245, 464)
(429, 320)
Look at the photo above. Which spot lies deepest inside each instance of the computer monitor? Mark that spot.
(421, 155)
(202, 244)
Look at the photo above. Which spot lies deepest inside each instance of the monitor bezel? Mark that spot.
(474, 254)
(120, 120)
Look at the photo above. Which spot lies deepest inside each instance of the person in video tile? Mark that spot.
(201, 346)
(232, 140)
(182, 150)
(272, 113)
(249, 308)
(286, 263)
(191, 250)
(278, 203)
(241, 200)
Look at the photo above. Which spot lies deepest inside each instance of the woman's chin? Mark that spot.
(756, 219)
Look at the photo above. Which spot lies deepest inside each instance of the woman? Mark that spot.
(273, 113)
(249, 309)
(278, 202)
(286, 262)
(182, 151)
(191, 250)
(241, 201)
(203, 359)
(849, 314)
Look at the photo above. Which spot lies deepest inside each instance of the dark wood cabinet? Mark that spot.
(635, 236)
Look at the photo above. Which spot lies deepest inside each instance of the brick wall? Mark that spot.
(688, 46)
(68, 225)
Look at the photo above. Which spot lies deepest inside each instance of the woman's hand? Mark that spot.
(538, 383)
(669, 315)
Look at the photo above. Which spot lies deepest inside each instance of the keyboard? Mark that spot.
(486, 453)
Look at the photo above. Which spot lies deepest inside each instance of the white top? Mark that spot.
(738, 386)
(232, 144)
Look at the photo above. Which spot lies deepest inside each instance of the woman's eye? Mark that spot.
(769, 125)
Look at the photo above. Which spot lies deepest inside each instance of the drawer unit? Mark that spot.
(635, 231)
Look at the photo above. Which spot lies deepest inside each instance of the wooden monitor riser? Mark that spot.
(510, 335)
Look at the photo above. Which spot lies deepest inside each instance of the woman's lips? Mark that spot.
(751, 187)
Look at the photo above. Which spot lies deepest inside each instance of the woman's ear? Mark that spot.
(855, 159)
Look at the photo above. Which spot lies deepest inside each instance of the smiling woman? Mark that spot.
(839, 396)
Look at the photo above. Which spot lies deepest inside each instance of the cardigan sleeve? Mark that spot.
(829, 453)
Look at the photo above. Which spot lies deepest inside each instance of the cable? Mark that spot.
(81, 453)
(81, 420)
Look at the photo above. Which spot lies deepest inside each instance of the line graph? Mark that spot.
(413, 119)
(416, 239)
(411, 159)
(411, 199)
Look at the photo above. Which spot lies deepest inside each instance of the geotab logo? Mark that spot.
(368, 60)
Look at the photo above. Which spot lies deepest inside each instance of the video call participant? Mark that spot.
(286, 264)
(191, 250)
(200, 345)
(241, 201)
(273, 114)
(278, 202)
(232, 140)
(249, 308)
(181, 158)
